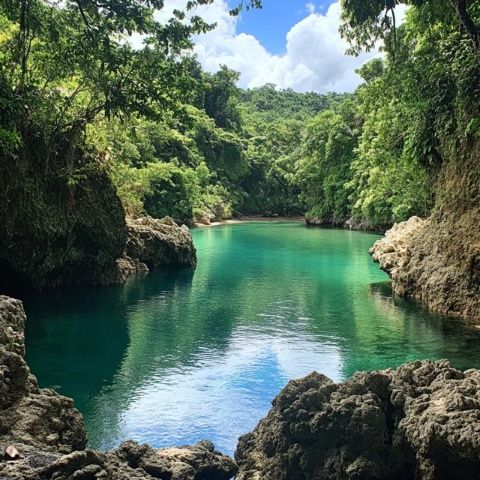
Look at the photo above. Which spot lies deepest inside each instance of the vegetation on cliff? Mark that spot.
(104, 112)
(62, 68)
(368, 159)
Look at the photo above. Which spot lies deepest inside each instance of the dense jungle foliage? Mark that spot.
(178, 141)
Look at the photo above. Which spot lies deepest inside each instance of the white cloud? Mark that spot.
(310, 7)
(314, 58)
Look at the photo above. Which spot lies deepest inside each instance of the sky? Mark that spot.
(290, 43)
(271, 24)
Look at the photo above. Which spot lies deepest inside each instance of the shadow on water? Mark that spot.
(180, 356)
(77, 338)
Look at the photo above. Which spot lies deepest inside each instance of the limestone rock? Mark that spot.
(435, 261)
(350, 223)
(39, 417)
(54, 235)
(11, 453)
(127, 267)
(421, 421)
(160, 243)
(200, 461)
(130, 461)
(316, 221)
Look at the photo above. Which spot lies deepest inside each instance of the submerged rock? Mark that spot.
(436, 261)
(421, 421)
(42, 435)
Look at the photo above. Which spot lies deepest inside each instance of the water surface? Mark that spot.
(181, 356)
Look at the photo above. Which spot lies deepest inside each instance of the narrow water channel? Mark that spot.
(177, 357)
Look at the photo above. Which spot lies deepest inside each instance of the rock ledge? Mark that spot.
(435, 261)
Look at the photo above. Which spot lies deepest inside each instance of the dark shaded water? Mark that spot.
(181, 356)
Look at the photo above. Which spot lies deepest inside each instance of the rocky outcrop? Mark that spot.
(152, 244)
(63, 224)
(38, 417)
(131, 461)
(316, 221)
(421, 421)
(436, 261)
(53, 235)
(350, 223)
(42, 435)
(159, 243)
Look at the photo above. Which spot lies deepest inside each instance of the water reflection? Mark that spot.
(181, 356)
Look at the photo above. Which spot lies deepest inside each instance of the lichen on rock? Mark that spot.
(420, 421)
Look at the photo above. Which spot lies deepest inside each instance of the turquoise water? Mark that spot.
(181, 356)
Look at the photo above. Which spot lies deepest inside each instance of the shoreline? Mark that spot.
(249, 218)
(252, 218)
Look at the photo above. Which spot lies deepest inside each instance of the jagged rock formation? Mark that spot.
(130, 461)
(421, 421)
(151, 244)
(48, 435)
(436, 261)
(159, 243)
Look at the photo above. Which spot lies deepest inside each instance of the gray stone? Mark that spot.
(436, 261)
(421, 421)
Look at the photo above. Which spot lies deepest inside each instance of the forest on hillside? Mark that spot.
(113, 135)
(78, 99)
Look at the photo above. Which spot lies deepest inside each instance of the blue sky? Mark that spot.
(271, 24)
(289, 43)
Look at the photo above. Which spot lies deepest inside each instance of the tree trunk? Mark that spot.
(466, 22)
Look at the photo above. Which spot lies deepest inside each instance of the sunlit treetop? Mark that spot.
(367, 22)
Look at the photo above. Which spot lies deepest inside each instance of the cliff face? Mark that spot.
(62, 224)
(81, 237)
(421, 421)
(437, 261)
(42, 435)
(53, 236)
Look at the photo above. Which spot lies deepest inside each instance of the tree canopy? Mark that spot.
(89, 85)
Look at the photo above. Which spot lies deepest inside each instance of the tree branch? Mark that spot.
(467, 22)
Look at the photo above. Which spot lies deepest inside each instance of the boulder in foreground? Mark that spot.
(421, 421)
